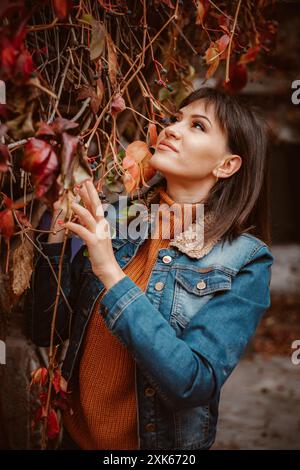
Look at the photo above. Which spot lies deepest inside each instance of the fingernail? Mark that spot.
(78, 186)
(60, 222)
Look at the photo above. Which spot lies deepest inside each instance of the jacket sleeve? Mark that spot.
(40, 299)
(189, 370)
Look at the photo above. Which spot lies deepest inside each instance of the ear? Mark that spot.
(228, 167)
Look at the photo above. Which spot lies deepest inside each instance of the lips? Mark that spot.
(166, 144)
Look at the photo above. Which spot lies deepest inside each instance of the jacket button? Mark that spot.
(150, 427)
(167, 259)
(201, 285)
(149, 392)
(159, 286)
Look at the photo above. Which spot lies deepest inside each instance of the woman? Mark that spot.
(159, 322)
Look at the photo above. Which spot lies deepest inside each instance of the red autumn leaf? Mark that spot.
(52, 425)
(212, 59)
(41, 160)
(147, 171)
(39, 376)
(43, 396)
(152, 135)
(15, 60)
(118, 104)
(4, 158)
(56, 380)
(62, 404)
(7, 201)
(3, 113)
(7, 223)
(61, 8)
(23, 67)
(222, 44)
(250, 55)
(39, 414)
(129, 182)
(129, 162)
(138, 151)
(238, 78)
(7, 220)
(47, 187)
(202, 9)
(45, 129)
(136, 166)
(8, 55)
(52, 194)
(22, 219)
(36, 155)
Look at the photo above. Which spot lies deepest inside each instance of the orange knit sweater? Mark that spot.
(104, 404)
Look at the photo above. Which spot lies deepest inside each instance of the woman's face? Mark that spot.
(199, 144)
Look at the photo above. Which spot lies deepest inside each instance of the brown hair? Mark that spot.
(239, 203)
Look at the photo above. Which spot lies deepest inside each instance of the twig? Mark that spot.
(227, 79)
(60, 89)
(82, 109)
(42, 88)
(17, 144)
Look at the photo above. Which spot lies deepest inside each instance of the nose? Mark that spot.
(171, 131)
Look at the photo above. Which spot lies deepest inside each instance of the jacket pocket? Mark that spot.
(194, 288)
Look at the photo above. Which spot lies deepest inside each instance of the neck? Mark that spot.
(188, 193)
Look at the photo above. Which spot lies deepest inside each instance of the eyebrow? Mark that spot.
(196, 116)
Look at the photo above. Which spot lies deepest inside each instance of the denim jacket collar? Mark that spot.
(188, 242)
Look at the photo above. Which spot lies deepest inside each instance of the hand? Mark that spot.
(60, 213)
(94, 229)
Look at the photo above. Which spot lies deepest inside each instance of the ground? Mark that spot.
(260, 402)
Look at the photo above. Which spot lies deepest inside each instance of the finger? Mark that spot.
(82, 191)
(81, 231)
(97, 209)
(85, 216)
(77, 198)
(103, 230)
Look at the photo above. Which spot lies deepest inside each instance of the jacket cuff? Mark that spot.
(117, 298)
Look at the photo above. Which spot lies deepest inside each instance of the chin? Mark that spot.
(160, 163)
(166, 169)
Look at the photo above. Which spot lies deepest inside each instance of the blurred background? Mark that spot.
(260, 404)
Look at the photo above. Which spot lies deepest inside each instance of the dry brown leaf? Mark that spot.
(112, 60)
(97, 40)
(22, 267)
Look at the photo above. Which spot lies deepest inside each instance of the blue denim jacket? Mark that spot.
(187, 331)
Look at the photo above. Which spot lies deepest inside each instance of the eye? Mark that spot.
(201, 126)
(173, 118)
